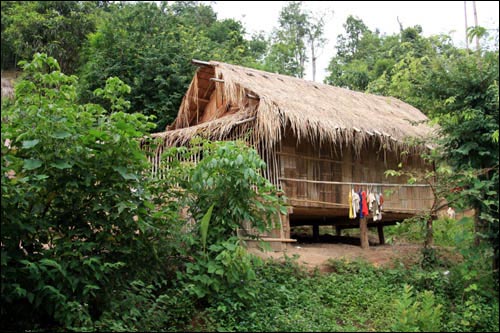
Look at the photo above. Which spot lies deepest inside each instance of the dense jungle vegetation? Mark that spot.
(90, 242)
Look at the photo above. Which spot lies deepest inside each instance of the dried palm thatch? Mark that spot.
(313, 111)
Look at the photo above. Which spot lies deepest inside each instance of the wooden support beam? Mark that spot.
(269, 239)
(209, 90)
(200, 63)
(363, 233)
(216, 80)
(316, 232)
(338, 231)
(380, 229)
(351, 183)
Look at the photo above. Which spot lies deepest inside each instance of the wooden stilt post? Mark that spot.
(338, 230)
(285, 224)
(316, 231)
(380, 229)
(363, 232)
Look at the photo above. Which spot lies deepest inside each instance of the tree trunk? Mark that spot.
(475, 22)
(466, 37)
(313, 57)
(363, 233)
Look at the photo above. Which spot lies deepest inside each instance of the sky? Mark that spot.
(435, 17)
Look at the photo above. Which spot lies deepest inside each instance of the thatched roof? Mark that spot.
(269, 103)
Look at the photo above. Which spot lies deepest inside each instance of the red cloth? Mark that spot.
(364, 203)
(381, 199)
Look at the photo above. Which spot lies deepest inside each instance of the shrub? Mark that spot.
(76, 208)
(224, 191)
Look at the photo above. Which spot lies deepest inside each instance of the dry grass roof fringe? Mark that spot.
(315, 112)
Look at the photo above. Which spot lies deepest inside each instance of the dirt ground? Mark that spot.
(312, 254)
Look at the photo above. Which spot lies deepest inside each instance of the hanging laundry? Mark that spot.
(371, 199)
(364, 205)
(379, 200)
(361, 215)
(376, 210)
(355, 203)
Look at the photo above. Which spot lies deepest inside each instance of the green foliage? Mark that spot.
(298, 31)
(388, 65)
(447, 232)
(354, 297)
(58, 28)
(418, 313)
(228, 177)
(140, 307)
(287, 54)
(150, 48)
(224, 192)
(76, 221)
(205, 220)
(464, 92)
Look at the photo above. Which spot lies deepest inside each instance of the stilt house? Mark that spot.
(319, 142)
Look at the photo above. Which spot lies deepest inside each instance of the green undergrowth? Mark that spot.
(356, 296)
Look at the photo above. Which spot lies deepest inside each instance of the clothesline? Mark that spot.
(352, 183)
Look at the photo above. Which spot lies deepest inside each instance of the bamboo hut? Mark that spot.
(319, 142)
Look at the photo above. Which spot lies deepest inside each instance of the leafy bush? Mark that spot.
(418, 313)
(76, 222)
(224, 191)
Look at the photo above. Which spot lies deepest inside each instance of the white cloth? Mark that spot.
(355, 203)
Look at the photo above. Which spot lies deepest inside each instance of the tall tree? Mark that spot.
(315, 38)
(348, 68)
(287, 53)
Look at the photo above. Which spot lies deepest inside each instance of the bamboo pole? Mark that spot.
(353, 183)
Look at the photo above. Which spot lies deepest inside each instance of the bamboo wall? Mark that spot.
(321, 177)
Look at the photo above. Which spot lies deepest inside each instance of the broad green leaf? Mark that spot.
(61, 164)
(204, 226)
(30, 143)
(32, 164)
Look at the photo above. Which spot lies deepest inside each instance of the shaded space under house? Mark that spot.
(319, 143)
